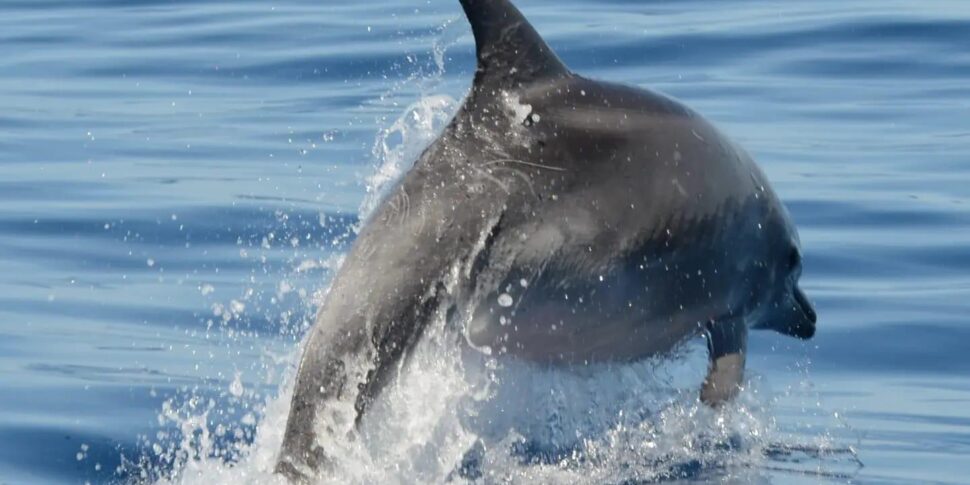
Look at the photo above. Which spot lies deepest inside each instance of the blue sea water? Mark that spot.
(178, 181)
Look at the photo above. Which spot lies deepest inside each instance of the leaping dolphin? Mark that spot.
(563, 220)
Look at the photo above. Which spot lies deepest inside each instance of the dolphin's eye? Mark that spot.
(794, 258)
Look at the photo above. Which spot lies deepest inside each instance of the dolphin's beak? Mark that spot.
(791, 315)
(806, 306)
(805, 326)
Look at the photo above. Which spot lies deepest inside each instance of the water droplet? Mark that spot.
(505, 300)
(236, 386)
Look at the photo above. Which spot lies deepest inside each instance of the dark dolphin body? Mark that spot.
(561, 219)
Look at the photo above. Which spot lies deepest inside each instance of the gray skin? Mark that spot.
(560, 220)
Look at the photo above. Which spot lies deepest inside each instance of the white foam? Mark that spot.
(533, 423)
(400, 144)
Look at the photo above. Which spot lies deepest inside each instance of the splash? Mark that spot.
(456, 415)
(398, 145)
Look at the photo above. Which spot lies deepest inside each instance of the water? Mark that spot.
(179, 181)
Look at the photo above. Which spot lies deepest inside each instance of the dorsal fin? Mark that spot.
(509, 50)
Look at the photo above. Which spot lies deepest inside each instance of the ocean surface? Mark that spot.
(179, 181)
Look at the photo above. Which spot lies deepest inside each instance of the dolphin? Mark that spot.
(561, 220)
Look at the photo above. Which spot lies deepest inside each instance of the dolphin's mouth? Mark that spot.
(805, 327)
(806, 306)
(794, 316)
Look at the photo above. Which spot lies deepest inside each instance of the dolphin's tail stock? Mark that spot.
(370, 320)
(402, 271)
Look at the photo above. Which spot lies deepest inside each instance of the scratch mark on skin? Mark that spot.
(487, 175)
(399, 208)
(405, 206)
(679, 187)
(531, 282)
(518, 173)
(522, 162)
